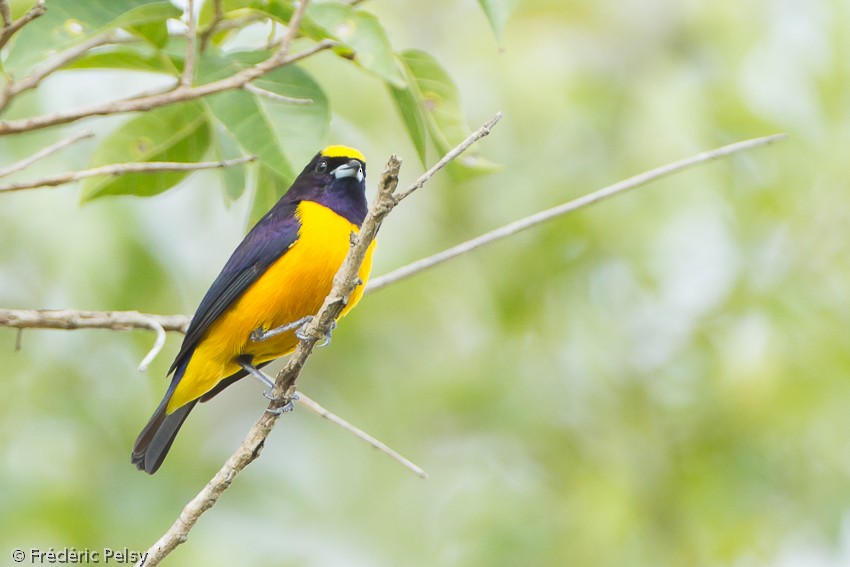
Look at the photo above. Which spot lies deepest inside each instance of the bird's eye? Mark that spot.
(322, 166)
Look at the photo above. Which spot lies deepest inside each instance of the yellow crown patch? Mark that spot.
(343, 151)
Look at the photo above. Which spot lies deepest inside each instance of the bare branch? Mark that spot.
(31, 81)
(230, 24)
(252, 88)
(6, 13)
(9, 30)
(294, 26)
(316, 408)
(123, 169)
(180, 94)
(532, 220)
(43, 153)
(191, 38)
(471, 139)
(157, 345)
(69, 319)
(218, 17)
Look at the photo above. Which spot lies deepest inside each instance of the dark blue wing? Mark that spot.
(264, 244)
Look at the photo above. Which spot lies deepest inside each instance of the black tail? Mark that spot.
(156, 438)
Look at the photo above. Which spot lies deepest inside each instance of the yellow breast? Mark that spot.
(291, 288)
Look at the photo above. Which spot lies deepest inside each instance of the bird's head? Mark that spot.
(335, 178)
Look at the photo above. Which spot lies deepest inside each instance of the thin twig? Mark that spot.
(180, 94)
(6, 13)
(294, 26)
(70, 319)
(235, 23)
(218, 16)
(459, 149)
(9, 30)
(188, 74)
(122, 169)
(252, 88)
(31, 81)
(157, 345)
(533, 220)
(319, 410)
(41, 154)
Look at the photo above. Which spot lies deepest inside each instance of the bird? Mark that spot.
(276, 278)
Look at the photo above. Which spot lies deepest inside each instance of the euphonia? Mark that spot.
(275, 279)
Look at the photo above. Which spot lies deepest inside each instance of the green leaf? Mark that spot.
(68, 22)
(234, 177)
(155, 33)
(130, 57)
(497, 12)
(178, 133)
(270, 188)
(364, 35)
(279, 134)
(433, 100)
(412, 116)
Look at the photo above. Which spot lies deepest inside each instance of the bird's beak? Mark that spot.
(351, 169)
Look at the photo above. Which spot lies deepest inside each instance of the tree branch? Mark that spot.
(123, 169)
(43, 153)
(70, 319)
(459, 149)
(180, 94)
(31, 81)
(516, 226)
(6, 13)
(10, 29)
(218, 17)
(316, 408)
(188, 73)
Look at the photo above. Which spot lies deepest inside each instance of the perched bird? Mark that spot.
(275, 279)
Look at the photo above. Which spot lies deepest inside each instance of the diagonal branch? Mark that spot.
(43, 153)
(181, 94)
(218, 17)
(123, 169)
(316, 408)
(31, 81)
(585, 200)
(11, 28)
(6, 13)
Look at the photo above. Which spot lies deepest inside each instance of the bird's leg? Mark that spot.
(260, 335)
(247, 366)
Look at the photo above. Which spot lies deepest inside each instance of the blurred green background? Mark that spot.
(658, 380)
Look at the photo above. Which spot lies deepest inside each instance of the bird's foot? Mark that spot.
(326, 340)
(288, 407)
(261, 334)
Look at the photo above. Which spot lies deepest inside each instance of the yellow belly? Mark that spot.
(291, 288)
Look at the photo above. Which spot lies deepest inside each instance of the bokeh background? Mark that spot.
(661, 379)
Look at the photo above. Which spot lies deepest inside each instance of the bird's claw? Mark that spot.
(326, 340)
(288, 407)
